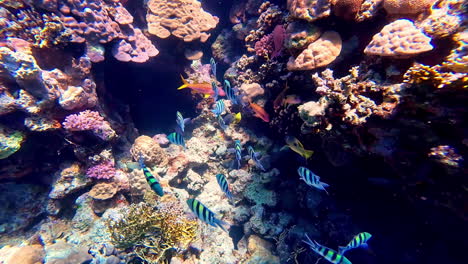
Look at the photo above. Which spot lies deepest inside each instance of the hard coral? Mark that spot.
(89, 120)
(458, 58)
(309, 10)
(346, 8)
(399, 39)
(318, 54)
(103, 171)
(103, 191)
(405, 7)
(149, 149)
(10, 141)
(137, 47)
(184, 19)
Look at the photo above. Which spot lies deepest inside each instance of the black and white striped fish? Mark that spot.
(254, 156)
(311, 178)
(219, 107)
(230, 92)
(152, 181)
(224, 185)
(213, 66)
(359, 240)
(327, 253)
(205, 214)
(238, 150)
(181, 121)
(177, 139)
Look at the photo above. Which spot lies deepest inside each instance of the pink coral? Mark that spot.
(265, 46)
(89, 120)
(102, 171)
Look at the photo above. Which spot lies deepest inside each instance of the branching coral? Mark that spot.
(104, 170)
(92, 121)
(152, 232)
(435, 76)
(184, 19)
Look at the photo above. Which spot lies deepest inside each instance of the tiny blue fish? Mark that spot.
(181, 122)
(152, 181)
(230, 92)
(255, 158)
(360, 240)
(213, 66)
(327, 253)
(224, 185)
(202, 212)
(177, 139)
(238, 149)
(219, 107)
(311, 178)
(215, 91)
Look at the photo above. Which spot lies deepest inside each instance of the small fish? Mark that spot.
(181, 121)
(311, 178)
(219, 107)
(224, 185)
(238, 149)
(237, 118)
(202, 212)
(213, 66)
(255, 158)
(295, 145)
(215, 90)
(230, 92)
(204, 88)
(152, 181)
(360, 240)
(259, 112)
(221, 122)
(327, 253)
(292, 99)
(177, 139)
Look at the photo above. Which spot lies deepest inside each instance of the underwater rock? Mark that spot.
(28, 254)
(68, 180)
(251, 91)
(260, 251)
(10, 141)
(62, 252)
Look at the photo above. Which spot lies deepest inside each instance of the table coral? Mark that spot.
(309, 10)
(184, 19)
(399, 39)
(318, 54)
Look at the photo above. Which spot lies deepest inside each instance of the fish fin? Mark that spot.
(206, 95)
(284, 147)
(341, 250)
(185, 85)
(187, 120)
(221, 224)
(308, 153)
(365, 245)
(178, 130)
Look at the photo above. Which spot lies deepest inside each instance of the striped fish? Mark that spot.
(327, 253)
(230, 92)
(238, 150)
(224, 185)
(219, 107)
(254, 157)
(215, 90)
(311, 178)
(222, 123)
(152, 181)
(360, 240)
(205, 214)
(177, 139)
(181, 121)
(213, 66)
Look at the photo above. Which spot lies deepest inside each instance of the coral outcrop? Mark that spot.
(309, 10)
(149, 150)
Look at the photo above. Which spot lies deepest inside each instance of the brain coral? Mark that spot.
(319, 53)
(407, 6)
(400, 38)
(152, 153)
(184, 19)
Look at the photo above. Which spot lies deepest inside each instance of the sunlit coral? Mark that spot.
(309, 10)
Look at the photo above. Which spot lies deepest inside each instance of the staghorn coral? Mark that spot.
(151, 232)
(399, 39)
(318, 54)
(309, 10)
(184, 19)
(407, 7)
(149, 149)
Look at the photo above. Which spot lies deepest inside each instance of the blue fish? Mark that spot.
(213, 66)
(215, 90)
(238, 150)
(177, 139)
(255, 158)
(221, 122)
(224, 185)
(327, 253)
(230, 92)
(202, 212)
(360, 240)
(311, 178)
(181, 122)
(152, 181)
(219, 107)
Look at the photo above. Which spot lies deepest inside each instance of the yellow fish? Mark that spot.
(237, 118)
(295, 145)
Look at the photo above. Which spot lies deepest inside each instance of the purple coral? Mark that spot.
(102, 171)
(85, 120)
(264, 47)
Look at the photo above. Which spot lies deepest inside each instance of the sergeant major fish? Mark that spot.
(311, 178)
(359, 240)
(181, 122)
(213, 66)
(177, 139)
(327, 253)
(230, 92)
(224, 185)
(203, 213)
(215, 90)
(152, 181)
(238, 149)
(218, 107)
(255, 158)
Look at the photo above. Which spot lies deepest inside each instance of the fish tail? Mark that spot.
(221, 224)
(185, 85)
(308, 153)
(341, 250)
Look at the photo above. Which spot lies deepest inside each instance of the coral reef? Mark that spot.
(151, 152)
(92, 121)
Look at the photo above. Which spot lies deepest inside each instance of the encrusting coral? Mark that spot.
(309, 10)
(184, 19)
